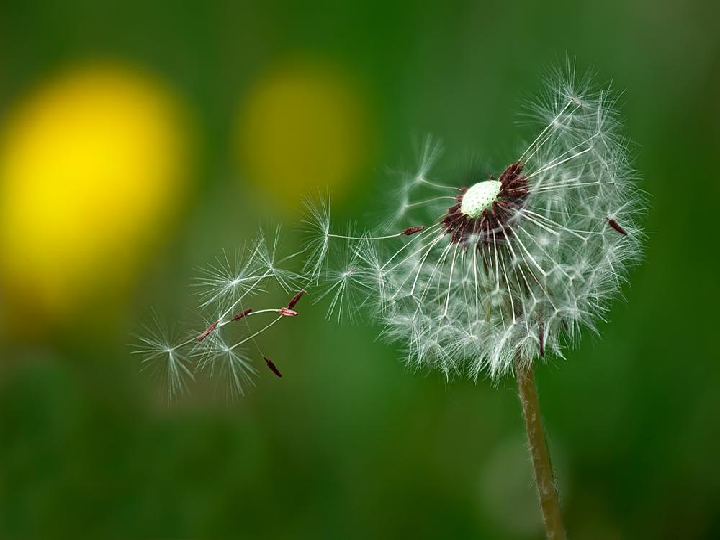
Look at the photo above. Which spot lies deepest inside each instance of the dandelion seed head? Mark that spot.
(515, 265)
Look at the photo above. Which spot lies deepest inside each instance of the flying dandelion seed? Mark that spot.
(344, 283)
(489, 275)
(167, 362)
(220, 350)
(226, 364)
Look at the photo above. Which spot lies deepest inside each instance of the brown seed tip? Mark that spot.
(412, 230)
(285, 312)
(207, 331)
(242, 314)
(295, 299)
(272, 366)
(615, 225)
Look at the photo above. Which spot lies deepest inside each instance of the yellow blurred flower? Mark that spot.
(304, 126)
(90, 169)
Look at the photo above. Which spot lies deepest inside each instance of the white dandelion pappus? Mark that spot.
(227, 364)
(316, 220)
(508, 268)
(167, 361)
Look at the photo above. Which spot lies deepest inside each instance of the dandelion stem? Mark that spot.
(544, 477)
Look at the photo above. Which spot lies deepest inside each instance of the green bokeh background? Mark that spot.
(350, 444)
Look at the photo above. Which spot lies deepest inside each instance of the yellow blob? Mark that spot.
(304, 127)
(90, 169)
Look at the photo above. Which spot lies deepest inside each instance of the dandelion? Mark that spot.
(489, 275)
(227, 290)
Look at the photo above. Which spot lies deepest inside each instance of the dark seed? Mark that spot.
(412, 230)
(240, 315)
(614, 224)
(207, 331)
(272, 366)
(295, 299)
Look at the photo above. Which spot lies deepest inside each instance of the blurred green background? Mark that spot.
(139, 139)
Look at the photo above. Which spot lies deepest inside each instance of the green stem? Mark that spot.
(544, 477)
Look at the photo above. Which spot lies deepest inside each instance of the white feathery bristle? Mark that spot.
(165, 359)
(343, 282)
(316, 222)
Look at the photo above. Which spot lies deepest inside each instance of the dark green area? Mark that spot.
(349, 444)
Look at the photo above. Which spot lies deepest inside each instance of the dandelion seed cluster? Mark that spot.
(500, 268)
(229, 291)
